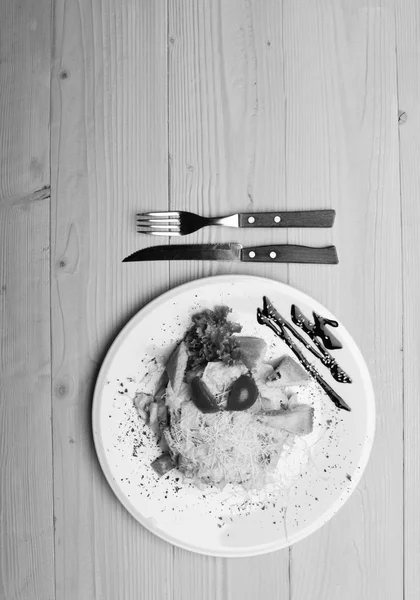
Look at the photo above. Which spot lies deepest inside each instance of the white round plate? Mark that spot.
(324, 468)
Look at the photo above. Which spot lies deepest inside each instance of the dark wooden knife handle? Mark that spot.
(290, 253)
(298, 218)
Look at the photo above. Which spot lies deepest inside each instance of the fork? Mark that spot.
(173, 223)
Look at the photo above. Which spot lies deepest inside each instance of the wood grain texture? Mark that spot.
(109, 133)
(213, 107)
(225, 97)
(26, 498)
(225, 102)
(408, 60)
(343, 151)
(24, 97)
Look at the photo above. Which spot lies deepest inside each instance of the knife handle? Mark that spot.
(295, 218)
(289, 253)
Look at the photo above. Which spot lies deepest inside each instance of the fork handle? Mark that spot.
(298, 218)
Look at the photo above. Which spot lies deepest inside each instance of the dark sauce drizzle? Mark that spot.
(329, 340)
(312, 331)
(271, 317)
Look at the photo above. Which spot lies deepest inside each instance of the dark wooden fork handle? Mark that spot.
(298, 218)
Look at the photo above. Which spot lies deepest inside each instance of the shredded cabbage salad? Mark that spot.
(221, 413)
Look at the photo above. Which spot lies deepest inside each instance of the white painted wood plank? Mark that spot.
(198, 576)
(258, 577)
(110, 154)
(24, 97)
(342, 151)
(225, 100)
(408, 57)
(26, 498)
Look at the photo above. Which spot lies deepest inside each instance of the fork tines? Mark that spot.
(159, 223)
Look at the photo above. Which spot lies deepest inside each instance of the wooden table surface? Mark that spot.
(108, 107)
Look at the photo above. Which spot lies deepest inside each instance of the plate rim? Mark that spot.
(230, 551)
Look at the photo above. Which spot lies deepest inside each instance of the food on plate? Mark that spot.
(289, 372)
(249, 350)
(211, 337)
(163, 464)
(243, 393)
(202, 397)
(298, 419)
(268, 315)
(176, 366)
(222, 413)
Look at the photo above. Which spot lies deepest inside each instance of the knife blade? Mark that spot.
(283, 253)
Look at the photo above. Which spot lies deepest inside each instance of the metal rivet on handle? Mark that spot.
(277, 219)
(251, 254)
(273, 254)
(251, 219)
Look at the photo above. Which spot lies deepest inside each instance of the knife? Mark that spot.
(285, 253)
